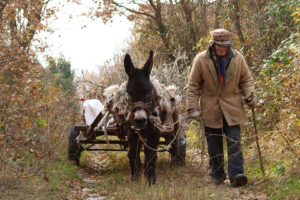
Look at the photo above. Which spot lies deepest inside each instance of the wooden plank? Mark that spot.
(102, 142)
(90, 130)
(106, 149)
(81, 127)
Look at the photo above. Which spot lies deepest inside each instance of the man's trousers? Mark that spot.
(215, 149)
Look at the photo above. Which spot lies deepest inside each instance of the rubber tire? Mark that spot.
(178, 151)
(181, 151)
(74, 151)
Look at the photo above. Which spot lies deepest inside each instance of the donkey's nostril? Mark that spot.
(140, 121)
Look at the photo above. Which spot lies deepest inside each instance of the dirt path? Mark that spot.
(111, 181)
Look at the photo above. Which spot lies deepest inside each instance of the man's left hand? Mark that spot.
(251, 100)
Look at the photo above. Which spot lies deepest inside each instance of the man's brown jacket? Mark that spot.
(205, 94)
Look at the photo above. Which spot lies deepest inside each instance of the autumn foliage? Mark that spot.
(35, 111)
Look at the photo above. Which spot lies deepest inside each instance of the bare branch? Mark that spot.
(91, 82)
(34, 18)
(153, 5)
(131, 10)
(3, 5)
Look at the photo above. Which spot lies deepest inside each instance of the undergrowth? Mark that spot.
(61, 179)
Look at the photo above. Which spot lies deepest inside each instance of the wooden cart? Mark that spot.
(88, 138)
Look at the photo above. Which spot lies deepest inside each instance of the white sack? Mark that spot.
(91, 108)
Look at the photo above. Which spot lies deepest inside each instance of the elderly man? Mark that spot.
(218, 80)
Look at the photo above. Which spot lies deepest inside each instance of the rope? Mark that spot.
(157, 124)
(180, 120)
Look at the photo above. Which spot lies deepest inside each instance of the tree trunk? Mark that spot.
(204, 25)
(162, 29)
(236, 18)
(34, 19)
(188, 10)
(218, 6)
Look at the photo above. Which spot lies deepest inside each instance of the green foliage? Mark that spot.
(277, 81)
(296, 16)
(60, 70)
(290, 189)
(283, 188)
(203, 43)
(279, 23)
(40, 123)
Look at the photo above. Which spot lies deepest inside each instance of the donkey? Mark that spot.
(142, 102)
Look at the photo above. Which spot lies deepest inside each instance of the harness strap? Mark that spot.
(155, 120)
(181, 119)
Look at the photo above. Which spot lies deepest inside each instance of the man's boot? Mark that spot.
(239, 180)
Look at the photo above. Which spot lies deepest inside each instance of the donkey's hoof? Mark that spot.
(151, 181)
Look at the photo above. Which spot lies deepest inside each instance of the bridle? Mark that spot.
(149, 107)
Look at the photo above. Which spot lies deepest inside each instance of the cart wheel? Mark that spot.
(74, 150)
(181, 150)
(178, 150)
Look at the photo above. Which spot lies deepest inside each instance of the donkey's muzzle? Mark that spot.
(140, 119)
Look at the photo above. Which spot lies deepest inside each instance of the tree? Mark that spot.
(171, 25)
(175, 23)
(60, 70)
(20, 20)
(34, 112)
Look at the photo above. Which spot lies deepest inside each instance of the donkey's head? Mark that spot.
(142, 96)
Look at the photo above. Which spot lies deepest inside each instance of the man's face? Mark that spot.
(221, 50)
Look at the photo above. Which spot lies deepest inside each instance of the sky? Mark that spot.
(88, 47)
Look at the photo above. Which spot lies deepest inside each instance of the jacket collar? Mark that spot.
(231, 70)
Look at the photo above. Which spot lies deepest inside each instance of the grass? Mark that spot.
(170, 183)
(49, 181)
(60, 179)
(284, 188)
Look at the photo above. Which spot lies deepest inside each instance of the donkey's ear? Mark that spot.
(129, 67)
(148, 65)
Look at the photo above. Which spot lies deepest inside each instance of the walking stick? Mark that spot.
(256, 136)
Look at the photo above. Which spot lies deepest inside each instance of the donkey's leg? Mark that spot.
(134, 155)
(150, 158)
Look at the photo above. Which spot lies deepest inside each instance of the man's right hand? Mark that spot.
(194, 114)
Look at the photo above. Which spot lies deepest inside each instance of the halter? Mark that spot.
(131, 107)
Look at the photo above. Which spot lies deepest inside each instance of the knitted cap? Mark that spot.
(221, 37)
